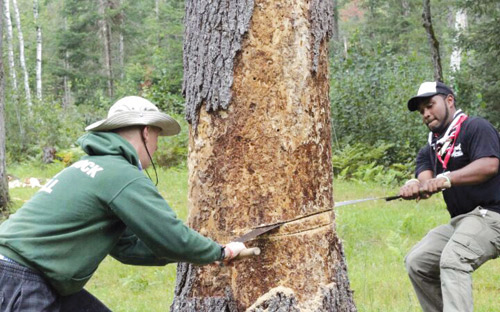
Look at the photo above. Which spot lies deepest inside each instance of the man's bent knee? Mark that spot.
(462, 253)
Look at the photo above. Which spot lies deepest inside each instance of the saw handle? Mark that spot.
(247, 253)
(392, 197)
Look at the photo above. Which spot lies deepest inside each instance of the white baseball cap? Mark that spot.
(428, 89)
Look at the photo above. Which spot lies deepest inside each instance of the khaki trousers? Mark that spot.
(440, 266)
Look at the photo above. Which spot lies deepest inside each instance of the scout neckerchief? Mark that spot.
(445, 145)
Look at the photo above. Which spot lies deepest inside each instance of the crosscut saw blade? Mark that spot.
(261, 229)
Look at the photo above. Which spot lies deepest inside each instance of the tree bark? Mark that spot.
(433, 42)
(38, 29)
(106, 40)
(22, 59)
(260, 153)
(4, 186)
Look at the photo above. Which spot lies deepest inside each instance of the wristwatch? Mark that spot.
(447, 183)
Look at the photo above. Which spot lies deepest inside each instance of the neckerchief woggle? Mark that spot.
(445, 145)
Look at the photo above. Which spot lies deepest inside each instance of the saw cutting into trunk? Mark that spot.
(261, 229)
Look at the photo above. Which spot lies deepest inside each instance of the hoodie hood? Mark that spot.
(108, 144)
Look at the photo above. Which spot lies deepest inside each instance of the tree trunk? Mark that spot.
(38, 52)
(157, 16)
(259, 153)
(157, 10)
(106, 39)
(12, 65)
(335, 25)
(405, 8)
(4, 186)
(121, 44)
(22, 59)
(460, 26)
(66, 102)
(433, 42)
(10, 37)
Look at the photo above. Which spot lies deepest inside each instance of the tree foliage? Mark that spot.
(478, 82)
(73, 51)
(383, 59)
(378, 59)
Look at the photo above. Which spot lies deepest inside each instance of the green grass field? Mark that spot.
(376, 236)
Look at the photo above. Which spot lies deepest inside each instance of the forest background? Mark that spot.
(93, 52)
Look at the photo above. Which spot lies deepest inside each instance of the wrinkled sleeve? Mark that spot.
(131, 250)
(423, 162)
(146, 214)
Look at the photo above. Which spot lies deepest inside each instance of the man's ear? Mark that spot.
(145, 133)
(450, 100)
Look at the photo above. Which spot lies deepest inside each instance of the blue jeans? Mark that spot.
(23, 290)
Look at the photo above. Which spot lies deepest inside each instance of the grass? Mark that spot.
(376, 236)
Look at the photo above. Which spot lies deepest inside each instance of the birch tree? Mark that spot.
(433, 42)
(4, 186)
(22, 59)
(10, 46)
(121, 39)
(38, 70)
(106, 42)
(256, 86)
(66, 101)
(12, 64)
(460, 26)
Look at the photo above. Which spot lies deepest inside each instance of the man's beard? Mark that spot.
(443, 125)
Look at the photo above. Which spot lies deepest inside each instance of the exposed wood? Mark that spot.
(38, 70)
(4, 185)
(261, 153)
(22, 59)
(433, 42)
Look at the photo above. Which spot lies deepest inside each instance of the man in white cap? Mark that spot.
(103, 204)
(461, 159)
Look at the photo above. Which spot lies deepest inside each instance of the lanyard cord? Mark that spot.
(151, 160)
(449, 150)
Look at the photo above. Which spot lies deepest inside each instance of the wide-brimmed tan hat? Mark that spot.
(135, 111)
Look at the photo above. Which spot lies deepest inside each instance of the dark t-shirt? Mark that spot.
(477, 139)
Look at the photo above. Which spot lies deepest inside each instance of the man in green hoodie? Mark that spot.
(103, 204)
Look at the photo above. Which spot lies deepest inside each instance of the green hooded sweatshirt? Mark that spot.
(103, 204)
